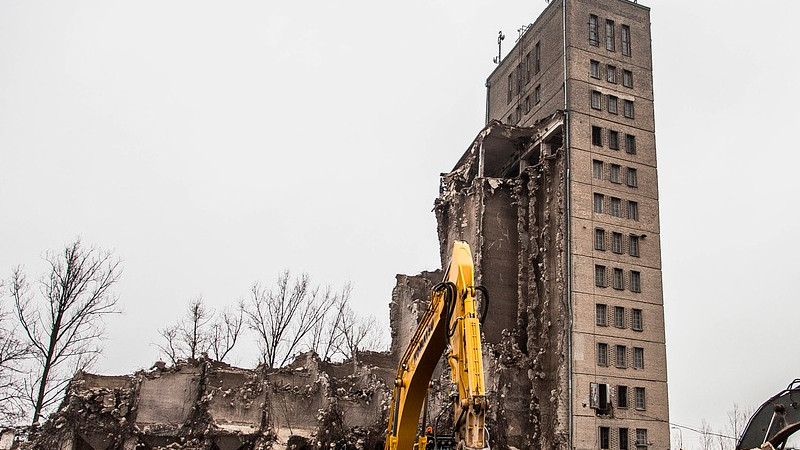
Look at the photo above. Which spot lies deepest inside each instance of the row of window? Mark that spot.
(600, 398)
(614, 140)
(610, 35)
(620, 318)
(612, 104)
(617, 242)
(611, 73)
(614, 206)
(622, 438)
(601, 278)
(614, 173)
(525, 107)
(621, 356)
(524, 72)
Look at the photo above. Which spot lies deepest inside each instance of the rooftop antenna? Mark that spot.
(500, 37)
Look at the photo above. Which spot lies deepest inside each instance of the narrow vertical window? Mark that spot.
(519, 112)
(600, 239)
(627, 78)
(593, 37)
(537, 60)
(633, 245)
(641, 438)
(597, 169)
(612, 104)
(528, 68)
(600, 276)
(613, 139)
(637, 321)
(594, 69)
(520, 78)
(597, 136)
(610, 35)
(630, 144)
(639, 398)
(638, 357)
(616, 242)
(622, 396)
(510, 88)
(605, 438)
(598, 203)
(632, 179)
(623, 439)
(611, 74)
(625, 34)
(614, 173)
(636, 281)
(616, 207)
(527, 104)
(633, 210)
(619, 281)
(596, 100)
(620, 354)
(600, 312)
(619, 317)
(537, 94)
(602, 354)
(628, 109)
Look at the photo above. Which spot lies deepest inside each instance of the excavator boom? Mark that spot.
(450, 321)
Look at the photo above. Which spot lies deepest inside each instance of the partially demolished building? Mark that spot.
(558, 199)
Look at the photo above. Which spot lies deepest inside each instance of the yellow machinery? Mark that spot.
(450, 323)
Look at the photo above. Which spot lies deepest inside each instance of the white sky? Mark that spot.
(213, 144)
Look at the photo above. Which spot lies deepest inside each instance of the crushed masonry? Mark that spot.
(506, 198)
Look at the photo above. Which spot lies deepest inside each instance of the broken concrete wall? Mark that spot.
(506, 198)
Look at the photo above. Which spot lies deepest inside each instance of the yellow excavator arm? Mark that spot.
(451, 323)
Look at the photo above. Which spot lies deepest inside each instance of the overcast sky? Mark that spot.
(212, 144)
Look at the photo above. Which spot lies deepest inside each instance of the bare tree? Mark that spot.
(326, 338)
(706, 435)
(65, 322)
(284, 316)
(13, 353)
(197, 333)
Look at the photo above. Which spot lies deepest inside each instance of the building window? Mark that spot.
(520, 78)
(593, 38)
(510, 119)
(598, 203)
(633, 210)
(596, 100)
(510, 88)
(602, 354)
(527, 104)
(628, 109)
(633, 245)
(639, 398)
(597, 169)
(601, 313)
(636, 281)
(610, 35)
(605, 437)
(622, 396)
(625, 34)
(627, 78)
(636, 319)
(612, 104)
(600, 239)
(527, 68)
(630, 144)
(613, 139)
(614, 173)
(616, 207)
(619, 281)
(620, 355)
(619, 317)
(519, 112)
(632, 182)
(638, 358)
(641, 438)
(597, 136)
(537, 94)
(616, 242)
(623, 439)
(537, 58)
(594, 69)
(611, 74)
(600, 276)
